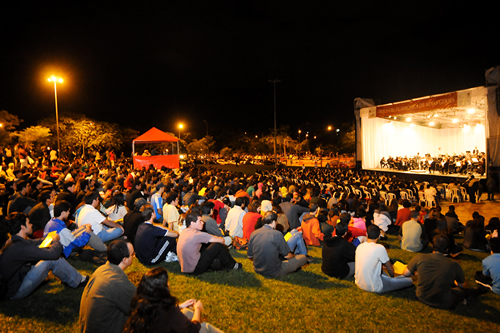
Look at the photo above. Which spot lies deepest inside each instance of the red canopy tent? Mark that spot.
(154, 135)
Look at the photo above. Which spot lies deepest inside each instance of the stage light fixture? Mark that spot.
(471, 111)
(431, 123)
(435, 115)
(455, 121)
(408, 119)
(395, 118)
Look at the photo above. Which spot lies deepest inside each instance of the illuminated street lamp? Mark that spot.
(329, 128)
(55, 80)
(299, 135)
(180, 127)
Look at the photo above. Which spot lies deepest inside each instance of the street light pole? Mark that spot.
(55, 80)
(275, 132)
(178, 151)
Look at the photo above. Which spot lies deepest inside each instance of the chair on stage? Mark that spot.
(389, 198)
(455, 195)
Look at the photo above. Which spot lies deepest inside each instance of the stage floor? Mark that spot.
(425, 174)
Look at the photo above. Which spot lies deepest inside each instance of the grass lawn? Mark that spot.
(242, 301)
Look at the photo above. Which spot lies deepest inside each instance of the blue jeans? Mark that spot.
(395, 283)
(60, 268)
(107, 233)
(296, 242)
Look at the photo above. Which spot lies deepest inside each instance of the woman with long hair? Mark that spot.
(154, 309)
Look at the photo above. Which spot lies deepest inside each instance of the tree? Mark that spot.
(348, 140)
(226, 152)
(33, 134)
(83, 134)
(9, 121)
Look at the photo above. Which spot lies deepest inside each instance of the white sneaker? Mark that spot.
(171, 257)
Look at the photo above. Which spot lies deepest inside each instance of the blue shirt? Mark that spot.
(70, 241)
(491, 267)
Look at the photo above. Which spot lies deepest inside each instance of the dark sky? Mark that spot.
(155, 63)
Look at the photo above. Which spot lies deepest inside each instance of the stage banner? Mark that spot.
(169, 161)
(444, 101)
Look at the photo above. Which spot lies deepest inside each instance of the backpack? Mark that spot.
(240, 243)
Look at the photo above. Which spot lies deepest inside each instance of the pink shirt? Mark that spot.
(188, 248)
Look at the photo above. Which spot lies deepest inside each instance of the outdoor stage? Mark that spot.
(424, 175)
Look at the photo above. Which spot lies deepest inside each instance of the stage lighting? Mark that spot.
(408, 119)
(471, 111)
(431, 123)
(455, 121)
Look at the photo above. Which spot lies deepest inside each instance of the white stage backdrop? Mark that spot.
(383, 139)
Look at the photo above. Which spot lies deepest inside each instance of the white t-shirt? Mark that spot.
(369, 259)
(88, 214)
(114, 216)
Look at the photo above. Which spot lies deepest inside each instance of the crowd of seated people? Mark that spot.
(466, 163)
(197, 212)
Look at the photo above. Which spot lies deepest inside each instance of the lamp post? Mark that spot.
(180, 127)
(274, 88)
(55, 80)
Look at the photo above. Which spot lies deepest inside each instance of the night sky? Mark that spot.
(156, 63)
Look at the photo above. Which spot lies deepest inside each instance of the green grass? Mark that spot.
(242, 301)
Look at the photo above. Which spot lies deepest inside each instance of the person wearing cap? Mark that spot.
(133, 219)
(103, 228)
(157, 202)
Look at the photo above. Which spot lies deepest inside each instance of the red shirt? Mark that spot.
(218, 206)
(403, 216)
(249, 220)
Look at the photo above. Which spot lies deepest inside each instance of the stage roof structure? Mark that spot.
(155, 135)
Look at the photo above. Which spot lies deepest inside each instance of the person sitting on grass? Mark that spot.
(105, 302)
(490, 276)
(338, 254)
(270, 252)
(441, 280)
(154, 242)
(154, 309)
(199, 251)
(370, 257)
(69, 240)
(24, 265)
(412, 234)
(454, 249)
